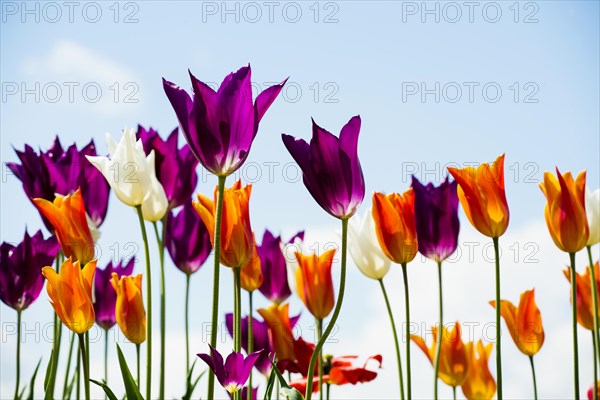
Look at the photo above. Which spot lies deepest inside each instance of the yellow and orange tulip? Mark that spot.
(70, 293)
(251, 277)
(585, 302)
(482, 195)
(129, 310)
(394, 217)
(68, 217)
(565, 210)
(314, 283)
(524, 322)
(480, 384)
(454, 361)
(236, 234)
(277, 317)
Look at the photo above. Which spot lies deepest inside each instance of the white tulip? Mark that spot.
(130, 174)
(289, 251)
(364, 247)
(592, 208)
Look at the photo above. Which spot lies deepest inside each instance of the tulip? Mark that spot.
(60, 171)
(454, 364)
(585, 303)
(481, 193)
(343, 370)
(131, 174)
(568, 226)
(175, 168)
(314, 282)
(237, 238)
(245, 395)
(68, 217)
(330, 167)
(280, 326)
(524, 322)
(289, 251)
(129, 310)
(221, 126)
(20, 278)
(565, 211)
(525, 326)
(480, 384)
(187, 240)
(394, 217)
(70, 293)
(275, 285)
(592, 207)
(234, 372)
(590, 394)
(261, 340)
(365, 249)
(251, 274)
(436, 216)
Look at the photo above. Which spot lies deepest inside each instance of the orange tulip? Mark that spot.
(480, 384)
(565, 211)
(481, 193)
(454, 361)
(70, 293)
(524, 322)
(585, 302)
(314, 283)
(236, 235)
(277, 318)
(394, 217)
(67, 216)
(129, 310)
(251, 276)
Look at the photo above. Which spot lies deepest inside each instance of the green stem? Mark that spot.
(78, 391)
(18, 354)
(66, 382)
(163, 306)
(395, 333)
(137, 349)
(534, 379)
(595, 393)
(86, 367)
(237, 317)
(328, 387)
(454, 392)
(498, 326)
(320, 366)
(407, 306)
(440, 333)
(217, 264)
(250, 341)
(187, 324)
(106, 357)
(56, 342)
(336, 312)
(574, 308)
(148, 305)
(594, 287)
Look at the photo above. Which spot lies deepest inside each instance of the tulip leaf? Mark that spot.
(32, 382)
(48, 395)
(109, 393)
(191, 386)
(67, 395)
(291, 394)
(269, 388)
(131, 388)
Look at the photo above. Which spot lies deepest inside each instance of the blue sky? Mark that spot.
(463, 89)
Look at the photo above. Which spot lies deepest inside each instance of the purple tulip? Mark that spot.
(220, 126)
(21, 278)
(59, 171)
(275, 285)
(104, 294)
(330, 168)
(175, 168)
(260, 331)
(187, 239)
(436, 217)
(234, 372)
